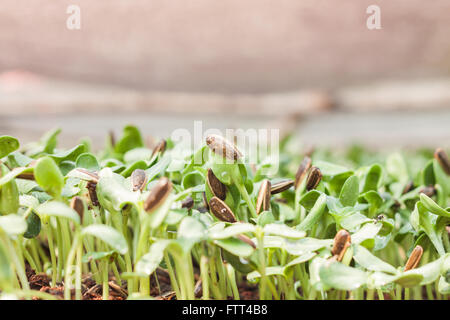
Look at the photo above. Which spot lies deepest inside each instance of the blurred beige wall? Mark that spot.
(226, 46)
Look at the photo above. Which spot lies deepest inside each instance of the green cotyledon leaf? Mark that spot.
(372, 178)
(433, 207)
(8, 144)
(314, 215)
(68, 155)
(350, 191)
(9, 193)
(421, 219)
(148, 263)
(108, 235)
(87, 161)
(131, 139)
(370, 262)
(339, 276)
(13, 224)
(112, 193)
(48, 176)
(57, 209)
(235, 246)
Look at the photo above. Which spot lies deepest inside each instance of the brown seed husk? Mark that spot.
(414, 258)
(314, 177)
(205, 201)
(198, 289)
(281, 186)
(443, 160)
(220, 209)
(158, 194)
(223, 147)
(429, 191)
(217, 187)
(409, 186)
(26, 176)
(302, 170)
(187, 203)
(160, 147)
(92, 188)
(342, 241)
(77, 204)
(263, 200)
(138, 179)
(246, 239)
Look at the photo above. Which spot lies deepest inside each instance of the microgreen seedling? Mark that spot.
(140, 223)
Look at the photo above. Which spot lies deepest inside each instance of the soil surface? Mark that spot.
(160, 290)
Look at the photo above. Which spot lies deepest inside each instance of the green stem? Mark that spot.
(116, 273)
(105, 272)
(69, 265)
(35, 255)
(215, 285)
(41, 252)
(78, 272)
(51, 248)
(429, 292)
(262, 264)
(370, 294)
(205, 277)
(18, 265)
(60, 245)
(247, 199)
(30, 260)
(173, 279)
(232, 281)
(436, 289)
(380, 294)
(398, 292)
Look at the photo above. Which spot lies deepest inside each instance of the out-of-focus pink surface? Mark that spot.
(226, 46)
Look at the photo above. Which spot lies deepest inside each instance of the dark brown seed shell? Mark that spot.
(409, 186)
(220, 209)
(217, 187)
(223, 147)
(246, 240)
(314, 177)
(342, 241)
(205, 201)
(302, 170)
(138, 179)
(160, 147)
(443, 160)
(281, 186)
(92, 188)
(281, 200)
(188, 203)
(198, 289)
(170, 295)
(414, 258)
(77, 204)
(158, 194)
(429, 191)
(26, 176)
(263, 200)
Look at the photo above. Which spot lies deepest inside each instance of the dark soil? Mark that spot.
(91, 290)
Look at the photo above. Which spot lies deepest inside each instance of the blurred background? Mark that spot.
(311, 66)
